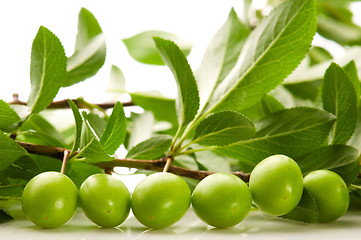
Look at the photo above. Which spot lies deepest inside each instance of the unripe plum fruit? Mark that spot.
(105, 200)
(222, 200)
(276, 184)
(50, 199)
(330, 193)
(160, 200)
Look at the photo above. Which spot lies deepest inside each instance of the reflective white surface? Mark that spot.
(255, 226)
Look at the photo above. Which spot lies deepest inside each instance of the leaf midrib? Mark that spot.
(255, 62)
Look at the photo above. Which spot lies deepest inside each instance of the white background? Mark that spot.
(194, 20)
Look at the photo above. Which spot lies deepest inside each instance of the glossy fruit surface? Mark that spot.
(330, 193)
(160, 200)
(276, 184)
(105, 200)
(50, 199)
(222, 200)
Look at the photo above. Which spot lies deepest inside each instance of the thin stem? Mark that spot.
(168, 163)
(354, 187)
(78, 101)
(172, 148)
(189, 130)
(65, 159)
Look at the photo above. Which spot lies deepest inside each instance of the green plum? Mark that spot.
(330, 193)
(160, 200)
(105, 200)
(50, 199)
(276, 184)
(222, 200)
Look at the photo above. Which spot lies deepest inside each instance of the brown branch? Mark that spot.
(55, 152)
(153, 165)
(61, 104)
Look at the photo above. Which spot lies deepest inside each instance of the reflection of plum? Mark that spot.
(158, 234)
(105, 233)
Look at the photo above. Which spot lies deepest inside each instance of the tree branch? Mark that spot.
(153, 165)
(80, 102)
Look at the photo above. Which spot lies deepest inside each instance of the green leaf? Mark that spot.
(22, 168)
(115, 131)
(90, 50)
(292, 132)
(266, 106)
(88, 27)
(78, 125)
(339, 98)
(79, 171)
(97, 123)
(305, 90)
(163, 108)
(213, 162)
(142, 48)
(43, 164)
(90, 148)
(47, 69)
(8, 116)
(355, 139)
(221, 55)
(86, 63)
(38, 138)
(306, 210)
(117, 80)
(4, 217)
(271, 105)
(342, 159)
(351, 71)
(340, 32)
(188, 98)
(10, 151)
(150, 149)
(272, 51)
(316, 72)
(43, 129)
(11, 191)
(318, 55)
(140, 128)
(223, 128)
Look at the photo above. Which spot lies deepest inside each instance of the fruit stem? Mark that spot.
(65, 158)
(169, 160)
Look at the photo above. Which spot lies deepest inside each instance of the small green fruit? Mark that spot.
(276, 184)
(105, 200)
(50, 199)
(160, 200)
(330, 193)
(222, 200)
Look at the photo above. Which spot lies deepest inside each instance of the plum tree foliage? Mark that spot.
(261, 89)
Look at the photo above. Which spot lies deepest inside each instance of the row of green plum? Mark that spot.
(161, 199)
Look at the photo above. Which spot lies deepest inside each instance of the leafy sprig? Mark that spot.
(251, 97)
